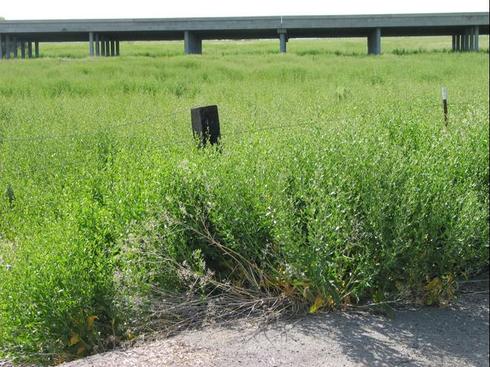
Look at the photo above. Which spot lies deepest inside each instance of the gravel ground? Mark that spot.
(453, 336)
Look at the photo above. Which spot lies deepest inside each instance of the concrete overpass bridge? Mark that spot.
(21, 38)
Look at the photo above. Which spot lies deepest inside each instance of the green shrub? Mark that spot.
(320, 194)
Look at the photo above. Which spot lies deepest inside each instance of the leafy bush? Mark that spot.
(336, 183)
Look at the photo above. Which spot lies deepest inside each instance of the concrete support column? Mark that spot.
(102, 47)
(471, 39)
(29, 49)
(454, 42)
(474, 42)
(476, 34)
(283, 40)
(374, 42)
(107, 46)
(113, 48)
(22, 49)
(91, 48)
(7, 47)
(192, 43)
(1, 47)
(36, 49)
(464, 42)
(97, 45)
(15, 48)
(117, 49)
(458, 42)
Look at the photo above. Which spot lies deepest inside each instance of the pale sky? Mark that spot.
(73, 9)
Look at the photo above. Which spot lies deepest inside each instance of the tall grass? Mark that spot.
(336, 183)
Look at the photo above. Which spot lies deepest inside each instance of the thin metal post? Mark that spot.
(444, 104)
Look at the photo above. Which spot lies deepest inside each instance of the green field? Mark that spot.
(336, 182)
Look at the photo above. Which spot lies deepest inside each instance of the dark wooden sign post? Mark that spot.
(205, 125)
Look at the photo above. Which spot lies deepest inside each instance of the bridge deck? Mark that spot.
(198, 29)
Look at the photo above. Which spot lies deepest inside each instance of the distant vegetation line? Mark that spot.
(336, 183)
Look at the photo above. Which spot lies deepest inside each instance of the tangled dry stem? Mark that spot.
(209, 300)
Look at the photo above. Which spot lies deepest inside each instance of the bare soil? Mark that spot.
(415, 336)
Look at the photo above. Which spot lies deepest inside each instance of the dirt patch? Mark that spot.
(453, 336)
(170, 352)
